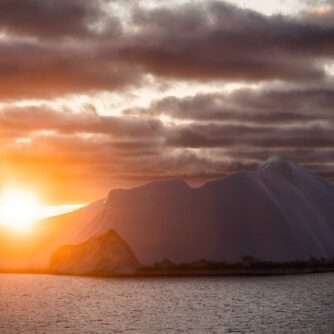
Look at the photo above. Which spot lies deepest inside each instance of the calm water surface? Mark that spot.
(55, 304)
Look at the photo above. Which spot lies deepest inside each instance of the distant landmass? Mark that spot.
(278, 218)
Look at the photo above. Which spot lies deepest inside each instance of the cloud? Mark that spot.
(223, 133)
(87, 121)
(34, 70)
(95, 49)
(213, 135)
(221, 41)
(53, 19)
(54, 48)
(265, 106)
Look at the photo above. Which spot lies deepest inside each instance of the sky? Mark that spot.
(96, 95)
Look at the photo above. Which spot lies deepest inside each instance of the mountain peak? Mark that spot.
(278, 164)
(275, 158)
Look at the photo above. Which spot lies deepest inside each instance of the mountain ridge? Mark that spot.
(274, 197)
(280, 212)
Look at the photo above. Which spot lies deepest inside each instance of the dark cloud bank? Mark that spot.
(68, 47)
(53, 48)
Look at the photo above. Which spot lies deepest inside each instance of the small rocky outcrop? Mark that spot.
(107, 254)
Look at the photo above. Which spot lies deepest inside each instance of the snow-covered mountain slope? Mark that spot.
(280, 212)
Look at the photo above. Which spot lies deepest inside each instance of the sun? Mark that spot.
(18, 209)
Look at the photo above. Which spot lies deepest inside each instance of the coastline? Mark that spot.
(149, 272)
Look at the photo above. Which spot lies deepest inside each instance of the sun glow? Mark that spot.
(19, 209)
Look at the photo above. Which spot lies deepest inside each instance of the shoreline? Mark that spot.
(145, 272)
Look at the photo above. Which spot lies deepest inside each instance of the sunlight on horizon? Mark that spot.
(20, 209)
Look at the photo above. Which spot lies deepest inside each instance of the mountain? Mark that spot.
(107, 254)
(281, 212)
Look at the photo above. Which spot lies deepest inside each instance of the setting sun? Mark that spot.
(19, 209)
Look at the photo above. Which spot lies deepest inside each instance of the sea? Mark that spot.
(257, 304)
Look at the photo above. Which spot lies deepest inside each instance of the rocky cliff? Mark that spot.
(107, 254)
